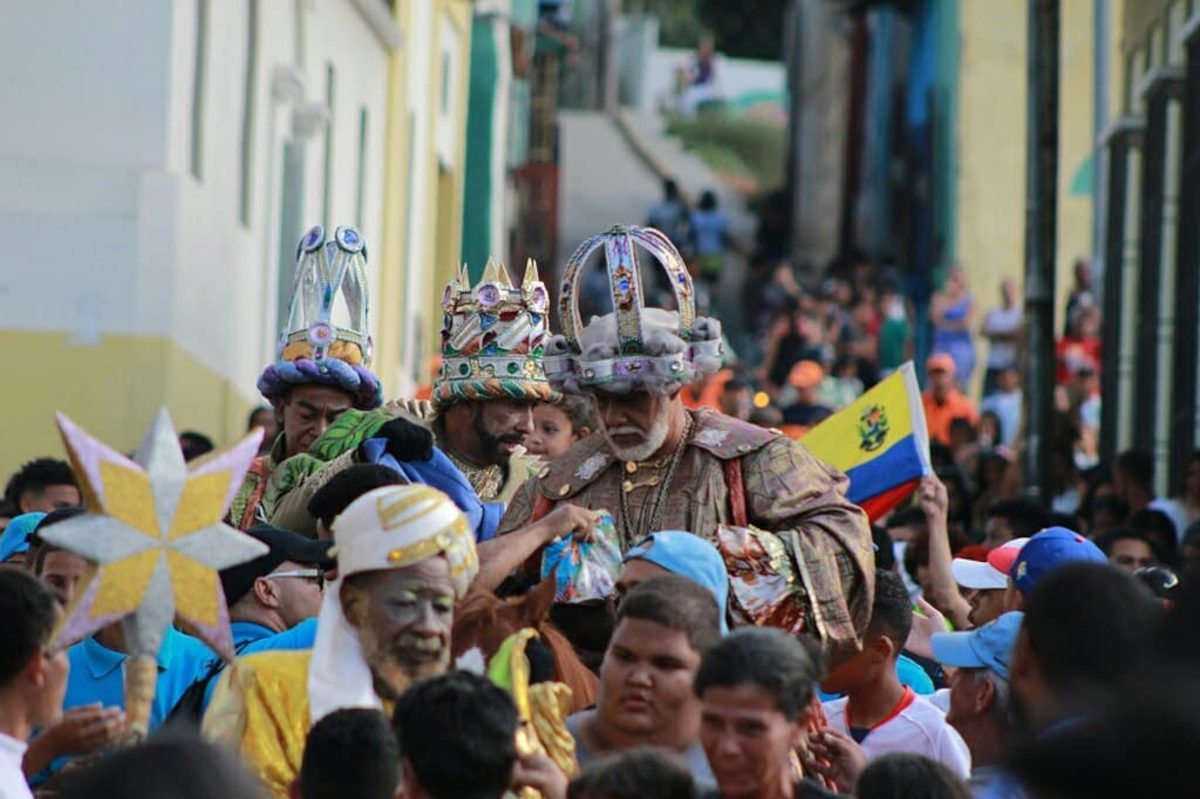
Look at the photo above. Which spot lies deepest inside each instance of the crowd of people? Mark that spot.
(588, 566)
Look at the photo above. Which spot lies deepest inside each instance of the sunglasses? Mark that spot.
(318, 575)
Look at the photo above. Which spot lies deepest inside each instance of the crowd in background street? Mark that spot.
(1005, 648)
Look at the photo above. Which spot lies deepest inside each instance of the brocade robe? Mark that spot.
(788, 493)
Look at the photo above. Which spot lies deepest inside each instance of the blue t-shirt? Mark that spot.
(97, 676)
(249, 638)
(708, 232)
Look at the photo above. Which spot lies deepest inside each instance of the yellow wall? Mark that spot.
(1076, 141)
(84, 383)
(389, 306)
(442, 237)
(445, 186)
(991, 143)
(991, 147)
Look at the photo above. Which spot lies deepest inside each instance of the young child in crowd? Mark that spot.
(879, 712)
(556, 426)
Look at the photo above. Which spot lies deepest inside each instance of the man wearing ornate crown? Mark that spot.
(491, 379)
(321, 368)
(405, 556)
(320, 373)
(658, 466)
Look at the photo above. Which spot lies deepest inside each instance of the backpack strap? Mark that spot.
(736, 484)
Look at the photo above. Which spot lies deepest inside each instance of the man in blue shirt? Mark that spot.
(274, 593)
(97, 675)
(273, 599)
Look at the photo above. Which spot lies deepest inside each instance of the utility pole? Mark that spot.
(1041, 181)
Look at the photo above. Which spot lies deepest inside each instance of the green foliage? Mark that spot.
(745, 28)
(736, 145)
(741, 28)
(679, 24)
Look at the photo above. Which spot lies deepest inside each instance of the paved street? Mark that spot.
(605, 182)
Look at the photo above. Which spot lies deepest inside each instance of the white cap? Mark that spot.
(977, 575)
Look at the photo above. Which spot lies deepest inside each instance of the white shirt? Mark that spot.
(12, 778)
(1003, 354)
(919, 728)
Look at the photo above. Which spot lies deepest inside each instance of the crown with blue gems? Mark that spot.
(326, 339)
(493, 338)
(634, 348)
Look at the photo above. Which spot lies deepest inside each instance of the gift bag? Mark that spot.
(765, 588)
(584, 570)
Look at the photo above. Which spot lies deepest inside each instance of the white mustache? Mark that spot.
(627, 430)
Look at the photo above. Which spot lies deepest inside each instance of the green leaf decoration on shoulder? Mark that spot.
(287, 477)
(348, 432)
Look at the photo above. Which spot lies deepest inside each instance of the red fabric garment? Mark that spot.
(1072, 353)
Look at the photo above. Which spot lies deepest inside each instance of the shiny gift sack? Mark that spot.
(584, 570)
(765, 588)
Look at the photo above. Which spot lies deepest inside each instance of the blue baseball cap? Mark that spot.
(1048, 550)
(683, 553)
(15, 539)
(987, 647)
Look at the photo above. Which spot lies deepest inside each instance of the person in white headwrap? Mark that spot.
(405, 555)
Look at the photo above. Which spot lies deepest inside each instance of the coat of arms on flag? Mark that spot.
(880, 441)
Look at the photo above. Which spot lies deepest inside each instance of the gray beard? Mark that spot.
(654, 439)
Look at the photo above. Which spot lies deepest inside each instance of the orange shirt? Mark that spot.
(710, 392)
(939, 415)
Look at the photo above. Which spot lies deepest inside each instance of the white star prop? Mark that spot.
(156, 533)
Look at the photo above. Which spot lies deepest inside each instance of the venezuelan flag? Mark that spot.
(880, 441)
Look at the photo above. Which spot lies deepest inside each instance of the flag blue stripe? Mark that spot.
(897, 464)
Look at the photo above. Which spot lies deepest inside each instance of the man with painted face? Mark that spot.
(657, 465)
(405, 555)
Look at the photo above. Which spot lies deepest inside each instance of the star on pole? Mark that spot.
(155, 530)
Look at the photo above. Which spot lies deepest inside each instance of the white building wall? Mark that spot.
(107, 229)
(419, 244)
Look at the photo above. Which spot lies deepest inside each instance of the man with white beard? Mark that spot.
(659, 466)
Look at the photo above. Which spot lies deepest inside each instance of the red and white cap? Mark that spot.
(992, 575)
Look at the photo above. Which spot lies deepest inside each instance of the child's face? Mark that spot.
(552, 432)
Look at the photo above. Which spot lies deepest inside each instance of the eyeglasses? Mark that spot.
(308, 574)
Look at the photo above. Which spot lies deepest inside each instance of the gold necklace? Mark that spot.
(486, 480)
(659, 505)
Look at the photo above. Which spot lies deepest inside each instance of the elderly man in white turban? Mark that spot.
(405, 555)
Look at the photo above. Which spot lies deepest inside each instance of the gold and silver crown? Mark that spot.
(493, 337)
(326, 338)
(634, 347)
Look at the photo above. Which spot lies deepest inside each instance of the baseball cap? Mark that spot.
(940, 361)
(688, 555)
(1048, 550)
(987, 647)
(15, 538)
(282, 545)
(1002, 557)
(805, 374)
(991, 574)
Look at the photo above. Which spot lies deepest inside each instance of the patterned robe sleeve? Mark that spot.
(520, 508)
(802, 500)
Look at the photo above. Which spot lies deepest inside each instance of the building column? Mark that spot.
(1123, 142)
(1161, 91)
(1184, 421)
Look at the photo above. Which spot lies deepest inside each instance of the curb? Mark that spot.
(646, 153)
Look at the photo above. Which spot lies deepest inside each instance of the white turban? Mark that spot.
(386, 528)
